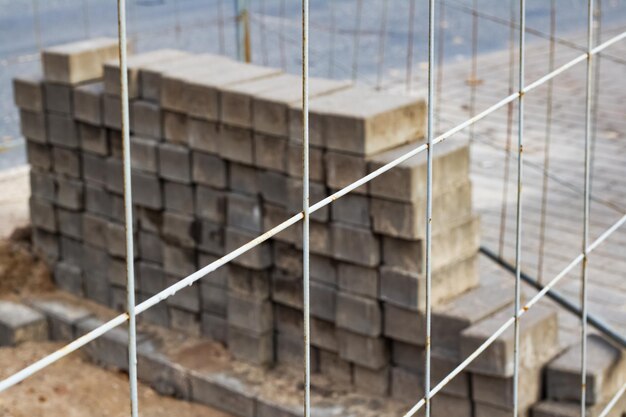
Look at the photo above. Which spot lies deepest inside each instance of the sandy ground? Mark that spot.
(75, 388)
(15, 187)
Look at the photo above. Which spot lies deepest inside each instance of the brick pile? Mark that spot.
(216, 161)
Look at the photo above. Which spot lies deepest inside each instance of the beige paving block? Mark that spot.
(76, 62)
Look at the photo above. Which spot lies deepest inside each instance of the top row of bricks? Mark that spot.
(343, 117)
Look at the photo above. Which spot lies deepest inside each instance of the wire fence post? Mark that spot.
(305, 207)
(242, 15)
(128, 212)
(586, 204)
(518, 227)
(429, 195)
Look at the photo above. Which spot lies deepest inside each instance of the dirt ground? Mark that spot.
(74, 387)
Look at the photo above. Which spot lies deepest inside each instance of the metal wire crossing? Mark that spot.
(429, 147)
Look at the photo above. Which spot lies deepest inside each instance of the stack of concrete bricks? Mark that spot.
(216, 150)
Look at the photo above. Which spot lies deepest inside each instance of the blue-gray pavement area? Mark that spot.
(275, 25)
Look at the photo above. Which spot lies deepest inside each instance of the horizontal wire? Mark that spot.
(189, 280)
(577, 260)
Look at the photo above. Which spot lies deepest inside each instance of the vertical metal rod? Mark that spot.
(429, 196)
(596, 93)
(305, 206)
(381, 44)
(357, 38)
(37, 24)
(518, 231)
(409, 52)
(586, 205)
(473, 78)
(509, 131)
(440, 55)
(128, 211)
(547, 140)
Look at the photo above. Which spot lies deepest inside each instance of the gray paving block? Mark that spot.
(337, 369)
(321, 238)
(317, 170)
(270, 152)
(179, 197)
(259, 257)
(42, 185)
(114, 137)
(358, 280)
(150, 247)
(214, 299)
(147, 190)
(343, 169)
(214, 327)
(77, 62)
(146, 120)
(457, 243)
(97, 200)
(498, 392)
(407, 355)
(403, 325)
(184, 321)
(150, 277)
(246, 313)
(288, 321)
(143, 153)
(112, 112)
(251, 347)
(46, 245)
(116, 239)
(175, 162)
(324, 335)
(444, 405)
(236, 144)
(273, 187)
(88, 106)
(249, 282)
(28, 92)
(116, 274)
(159, 314)
(58, 98)
(211, 237)
(223, 392)
(356, 245)
(289, 350)
(70, 223)
(69, 278)
(353, 209)
(174, 127)
(538, 327)
(203, 135)
(202, 92)
(244, 212)
(62, 130)
(39, 155)
(134, 63)
(370, 352)
(19, 323)
(63, 317)
(115, 176)
(271, 107)
(210, 204)
(408, 289)
(179, 229)
(150, 75)
(406, 385)
(407, 181)
(407, 220)
(149, 220)
(72, 251)
(358, 314)
(94, 168)
(381, 121)
(70, 193)
(606, 372)
(218, 277)
(67, 162)
(43, 215)
(243, 178)
(178, 261)
(209, 169)
(549, 408)
(163, 374)
(33, 126)
(287, 290)
(93, 139)
(375, 382)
